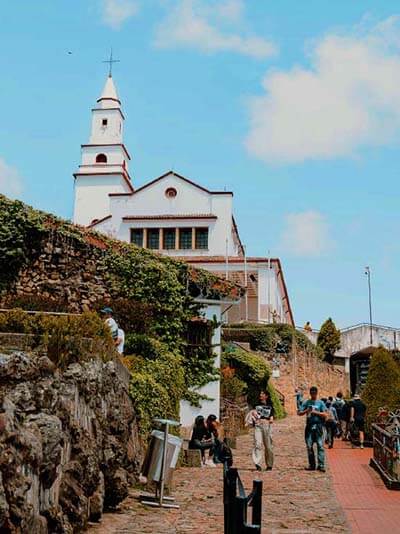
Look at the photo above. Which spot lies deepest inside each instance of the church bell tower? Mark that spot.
(104, 160)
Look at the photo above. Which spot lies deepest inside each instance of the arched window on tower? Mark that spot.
(101, 158)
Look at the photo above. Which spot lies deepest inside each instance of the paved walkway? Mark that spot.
(294, 500)
(369, 506)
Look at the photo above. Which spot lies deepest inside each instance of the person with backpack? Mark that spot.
(331, 422)
(316, 413)
(339, 404)
(357, 417)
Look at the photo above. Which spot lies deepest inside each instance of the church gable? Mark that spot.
(170, 194)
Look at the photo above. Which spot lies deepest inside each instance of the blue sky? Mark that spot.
(295, 106)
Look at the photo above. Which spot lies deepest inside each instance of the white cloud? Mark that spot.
(306, 234)
(10, 180)
(116, 12)
(200, 24)
(347, 99)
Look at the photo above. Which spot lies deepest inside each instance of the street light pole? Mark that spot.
(368, 273)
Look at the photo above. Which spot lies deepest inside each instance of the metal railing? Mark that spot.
(386, 443)
(236, 504)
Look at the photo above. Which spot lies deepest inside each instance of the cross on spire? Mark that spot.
(111, 61)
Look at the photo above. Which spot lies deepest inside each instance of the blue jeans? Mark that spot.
(314, 434)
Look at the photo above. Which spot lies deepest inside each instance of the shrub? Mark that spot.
(383, 384)
(67, 339)
(270, 338)
(131, 315)
(157, 385)
(251, 370)
(329, 339)
(37, 303)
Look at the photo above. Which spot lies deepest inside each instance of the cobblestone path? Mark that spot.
(294, 500)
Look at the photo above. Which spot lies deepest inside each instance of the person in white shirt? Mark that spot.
(121, 341)
(111, 323)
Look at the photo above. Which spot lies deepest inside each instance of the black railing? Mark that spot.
(236, 503)
(386, 443)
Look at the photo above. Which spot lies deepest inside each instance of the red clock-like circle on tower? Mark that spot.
(171, 192)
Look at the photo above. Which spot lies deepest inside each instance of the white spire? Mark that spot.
(109, 97)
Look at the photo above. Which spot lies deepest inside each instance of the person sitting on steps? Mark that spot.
(202, 440)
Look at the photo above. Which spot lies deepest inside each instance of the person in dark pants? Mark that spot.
(202, 440)
(316, 413)
(357, 417)
(331, 423)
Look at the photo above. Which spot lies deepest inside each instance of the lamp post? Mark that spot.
(368, 274)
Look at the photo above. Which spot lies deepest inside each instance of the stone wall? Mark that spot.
(305, 370)
(64, 270)
(69, 443)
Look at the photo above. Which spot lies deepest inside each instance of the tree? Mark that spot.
(383, 384)
(329, 339)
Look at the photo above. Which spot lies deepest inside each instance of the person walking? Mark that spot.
(110, 322)
(261, 419)
(357, 417)
(316, 413)
(339, 404)
(298, 393)
(332, 422)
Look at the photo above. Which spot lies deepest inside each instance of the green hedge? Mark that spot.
(271, 338)
(251, 370)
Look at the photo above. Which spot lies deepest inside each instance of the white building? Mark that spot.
(174, 216)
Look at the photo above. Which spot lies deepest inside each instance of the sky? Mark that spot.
(294, 106)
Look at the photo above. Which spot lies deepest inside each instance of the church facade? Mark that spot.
(172, 215)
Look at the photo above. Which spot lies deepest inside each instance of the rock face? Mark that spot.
(69, 443)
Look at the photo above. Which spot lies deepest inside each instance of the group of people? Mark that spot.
(328, 418)
(208, 436)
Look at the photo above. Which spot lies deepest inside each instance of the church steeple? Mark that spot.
(109, 97)
(105, 159)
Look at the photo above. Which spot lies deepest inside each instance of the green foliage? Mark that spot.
(271, 338)
(251, 370)
(276, 403)
(157, 382)
(383, 384)
(131, 316)
(66, 339)
(329, 339)
(232, 388)
(21, 231)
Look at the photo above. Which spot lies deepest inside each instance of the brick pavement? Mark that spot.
(294, 500)
(369, 506)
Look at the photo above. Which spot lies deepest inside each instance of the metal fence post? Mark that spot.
(257, 502)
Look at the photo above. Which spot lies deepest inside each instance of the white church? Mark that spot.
(172, 215)
(175, 216)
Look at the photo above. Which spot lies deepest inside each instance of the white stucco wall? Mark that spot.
(91, 200)
(189, 200)
(112, 132)
(188, 412)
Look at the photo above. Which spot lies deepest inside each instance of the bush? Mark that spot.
(270, 338)
(383, 384)
(131, 315)
(329, 339)
(67, 339)
(250, 370)
(157, 384)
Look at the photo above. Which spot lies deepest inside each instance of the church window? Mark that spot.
(169, 238)
(202, 238)
(153, 238)
(104, 122)
(137, 236)
(171, 192)
(101, 158)
(185, 238)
